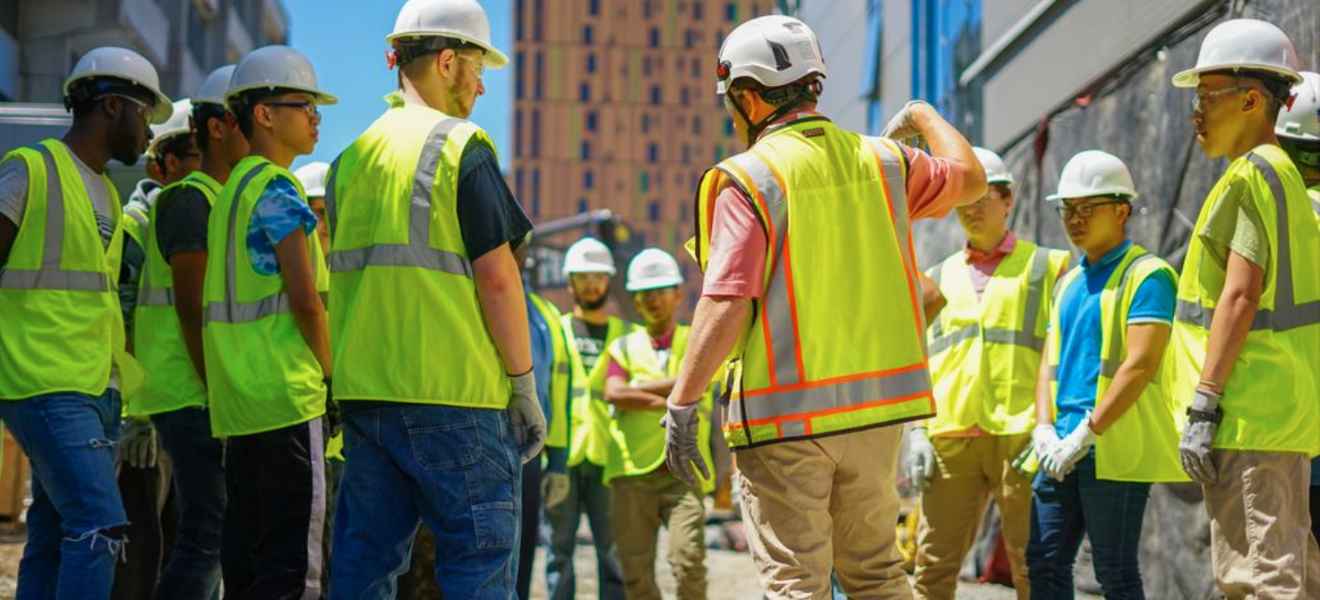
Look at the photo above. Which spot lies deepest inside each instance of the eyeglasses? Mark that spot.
(476, 62)
(142, 107)
(306, 106)
(1082, 210)
(1200, 101)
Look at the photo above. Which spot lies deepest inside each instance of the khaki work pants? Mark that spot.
(968, 471)
(643, 504)
(1260, 534)
(825, 505)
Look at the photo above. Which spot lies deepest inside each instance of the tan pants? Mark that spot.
(644, 503)
(15, 471)
(1260, 534)
(968, 472)
(813, 507)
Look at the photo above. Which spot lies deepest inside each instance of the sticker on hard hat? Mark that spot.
(722, 71)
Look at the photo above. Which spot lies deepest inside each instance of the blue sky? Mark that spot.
(345, 39)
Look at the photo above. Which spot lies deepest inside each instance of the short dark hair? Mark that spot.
(202, 115)
(1004, 189)
(87, 94)
(1277, 89)
(243, 104)
(803, 91)
(175, 145)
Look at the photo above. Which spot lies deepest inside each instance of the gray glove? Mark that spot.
(525, 417)
(1198, 437)
(1066, 454)
(1043, 439)
(554, 488)
(900, 126)
(138, 445)
(921, 459)
(681, 452)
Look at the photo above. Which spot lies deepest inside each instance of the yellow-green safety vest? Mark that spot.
(589, 414)
(160, 345)
(985, 352)
(1314, 194)
(137, 224)
(1142, 445)
(637, 441)
(809, 362)
(1269, 403)
(261, 374)
(560, 375)
(63, 329)
(407, 324)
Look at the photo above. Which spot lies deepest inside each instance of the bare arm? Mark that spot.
(189, 278)
(1044, 400)
(500, 290)
(932, 300)
(1146, 343)
(947, 142)
(304, 301)
(659, 387)
(622, 395)
(715, 329)
(1232, 321)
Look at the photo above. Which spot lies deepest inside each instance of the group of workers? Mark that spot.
(215, 312)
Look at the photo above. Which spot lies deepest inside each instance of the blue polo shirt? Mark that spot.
(1079, 318)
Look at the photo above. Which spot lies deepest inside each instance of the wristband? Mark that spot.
(1203, 416)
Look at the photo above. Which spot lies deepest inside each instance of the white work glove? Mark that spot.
(137, 447)
(921, 459)
(900, 127)
(1198, 437)
(1043, 439)
(525, 416)
(681, 451)
(554, 488)
(1070, 450)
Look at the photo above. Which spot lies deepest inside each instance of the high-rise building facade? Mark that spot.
(615, 107)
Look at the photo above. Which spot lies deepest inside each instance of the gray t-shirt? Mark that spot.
(14, 190)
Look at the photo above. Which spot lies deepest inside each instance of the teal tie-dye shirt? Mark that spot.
(281, 210)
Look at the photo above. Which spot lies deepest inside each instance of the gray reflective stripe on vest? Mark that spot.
(51, 276)
(151, 297)
(231, 310)
(892, 167)
(1024, 336)
(418, 251)
(1287, 313)
(818, 398)
(1109, 364)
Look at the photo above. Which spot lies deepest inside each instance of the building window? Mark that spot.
(728, 126)
(687, 154)
(653, 211)
(646, 66)
(536, 207)
(684, 94)
(652, 152)
(540, 69)
(644, 181)
(588, 179)
(731, 12)
(518, 68)
(536, 135)
(591, 62)
(518, 183)
(585, 150)
(655, 94)
(582, 205)
(655, 37)
(697, 11)
(586, 34)
(536, 184)
(646, 9)
(591, 120)
(537, 20)
(584, 92)
(696, 125)
(943, 45)
(593, 8)
(521, 21)
(196, 35)
(696, 69)
(518, 132)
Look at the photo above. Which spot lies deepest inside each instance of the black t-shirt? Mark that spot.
(181, 221)
(488, 214)
(590, 341)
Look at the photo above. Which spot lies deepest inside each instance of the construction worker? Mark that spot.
(169, 332)
(1105, 415)
(589, 329)
(312, 175)
(62, 356)
(1247, 330)
(431, 341)
(1298, 129)
(641, 370)
(813, 390)
(985, 350)
(265, 336)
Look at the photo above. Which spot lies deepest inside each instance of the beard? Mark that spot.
(593, 304)
(124, 146)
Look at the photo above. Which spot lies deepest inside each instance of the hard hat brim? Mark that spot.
(1130, 197)
(165, 135)
(606, 270)
(322, 98)
(1005, 179)
(160, 112)
(653, 284)
(1191, 77)
(492, 58)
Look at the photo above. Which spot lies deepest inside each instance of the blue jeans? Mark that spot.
(75, 524)
(1109, 513)
(454, 468)
(586, 493)
(193, 570)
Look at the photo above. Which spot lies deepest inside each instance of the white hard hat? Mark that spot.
(125, 64)
(180, 123)
(588, 255)
(1094, 173)
(276, 67)
(1243, 44)
(995, 169)
(463, 20)
(652, 269)
(773, 50)
(215, 86)
(312, 175)
(1301, 121)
